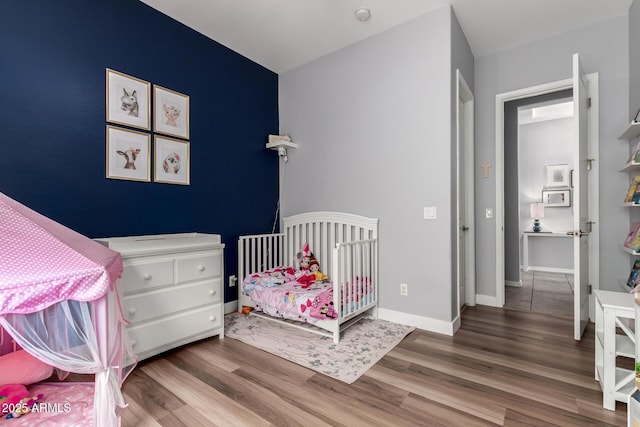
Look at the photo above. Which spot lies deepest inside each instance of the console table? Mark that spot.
(525, 243)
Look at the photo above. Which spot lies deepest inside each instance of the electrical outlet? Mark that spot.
(403, 289)
(232, 281)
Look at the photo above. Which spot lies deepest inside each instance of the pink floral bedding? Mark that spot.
(278, 293)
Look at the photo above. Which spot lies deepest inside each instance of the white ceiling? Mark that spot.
(283, 34)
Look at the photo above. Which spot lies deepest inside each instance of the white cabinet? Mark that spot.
(173, 289)
(614, 310)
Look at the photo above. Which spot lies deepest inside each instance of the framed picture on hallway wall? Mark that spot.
(128, 100)
(557, 176)
(556, 198)
(171, 112)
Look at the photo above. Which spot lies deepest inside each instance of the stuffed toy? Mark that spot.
(15, 400)
(304, 256)
(314, 268)
(304, 275)
(17, 370)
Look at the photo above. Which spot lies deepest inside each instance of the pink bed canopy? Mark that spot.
(59, 300)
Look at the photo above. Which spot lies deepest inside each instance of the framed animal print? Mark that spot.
(128, 100)
(171, 112)
(172, 160)
(128, 154)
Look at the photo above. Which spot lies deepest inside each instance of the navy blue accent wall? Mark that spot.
(53, 57)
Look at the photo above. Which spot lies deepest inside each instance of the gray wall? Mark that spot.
(373, 124)
(603, 48)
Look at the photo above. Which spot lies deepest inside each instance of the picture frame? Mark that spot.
(128, 100)
(557, 176)
(171, 112)
(172, 160)
(128, 154)
(556, 198)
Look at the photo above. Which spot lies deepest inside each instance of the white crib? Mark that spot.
(346, 245)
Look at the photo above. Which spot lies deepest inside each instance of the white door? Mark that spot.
(580, 194)
(461, 205)
(465, 188)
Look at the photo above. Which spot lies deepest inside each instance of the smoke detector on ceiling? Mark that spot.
(363, 14)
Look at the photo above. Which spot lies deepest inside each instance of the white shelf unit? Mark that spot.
(633, 404)
(285, 144)
(630, 167)
(614, 310)
(629, 250)
(632, 131)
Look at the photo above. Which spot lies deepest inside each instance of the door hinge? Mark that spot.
(589, 102)
(590, 163)
(590, 289)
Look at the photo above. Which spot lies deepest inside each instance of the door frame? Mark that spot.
(593, 148)
(465, 96)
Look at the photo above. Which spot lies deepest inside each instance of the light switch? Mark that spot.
(430, 213)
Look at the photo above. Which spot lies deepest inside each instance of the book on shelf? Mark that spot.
(634, 276)
(634, 190)
(635, 243)
(632, 235)
(635, 154)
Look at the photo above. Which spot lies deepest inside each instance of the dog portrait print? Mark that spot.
(171, 163)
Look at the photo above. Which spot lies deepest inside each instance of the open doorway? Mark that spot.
(586, 216)
(538, 211)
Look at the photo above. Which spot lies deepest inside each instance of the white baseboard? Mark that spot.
(486, 300)
(511, 283)
(551, 269)
(426, 323)
(230, 307)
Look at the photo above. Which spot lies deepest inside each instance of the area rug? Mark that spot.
(360, 346)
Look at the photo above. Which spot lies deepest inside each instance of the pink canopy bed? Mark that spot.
(60, 302)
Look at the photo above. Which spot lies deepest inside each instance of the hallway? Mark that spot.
(542, 292)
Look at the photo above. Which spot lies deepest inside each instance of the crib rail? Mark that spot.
(355, 277)
(259, 252)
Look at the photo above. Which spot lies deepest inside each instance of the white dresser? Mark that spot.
(172, 289)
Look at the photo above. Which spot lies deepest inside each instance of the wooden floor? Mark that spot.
(503, 367)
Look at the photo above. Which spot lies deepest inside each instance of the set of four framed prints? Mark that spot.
(129, 154)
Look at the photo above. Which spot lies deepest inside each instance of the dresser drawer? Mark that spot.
(142, 275)
(198, 267)
(168, 332)
(160, 302)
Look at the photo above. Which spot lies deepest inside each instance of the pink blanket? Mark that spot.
(278, 293)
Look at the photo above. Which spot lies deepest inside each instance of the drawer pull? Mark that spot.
(212, 292)
(201, 268)
(146, 276)
(212, 318)
(132, 310)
